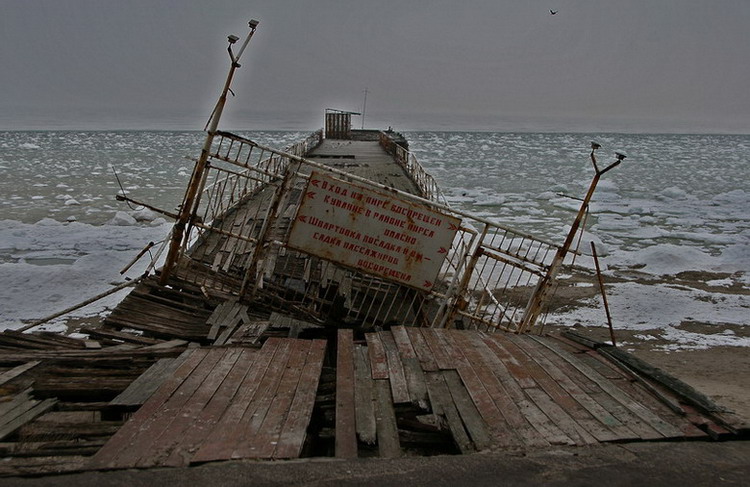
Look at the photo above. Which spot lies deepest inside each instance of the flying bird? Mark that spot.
(552, 12)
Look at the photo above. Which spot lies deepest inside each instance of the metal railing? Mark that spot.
(424, 181)
(239, 234)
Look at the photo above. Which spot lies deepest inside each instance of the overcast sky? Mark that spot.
(597, 65)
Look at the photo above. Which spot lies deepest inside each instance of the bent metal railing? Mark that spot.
(238, 244)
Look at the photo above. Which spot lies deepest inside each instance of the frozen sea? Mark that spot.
(676, 211)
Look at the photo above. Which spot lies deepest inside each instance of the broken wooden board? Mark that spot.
(216, 405)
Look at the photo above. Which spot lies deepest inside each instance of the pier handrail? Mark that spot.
(427, 185)
(485, 261)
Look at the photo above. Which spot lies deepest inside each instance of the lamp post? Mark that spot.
(189, 201)
(544, 286)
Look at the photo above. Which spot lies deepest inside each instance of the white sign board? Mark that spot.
(373, 231)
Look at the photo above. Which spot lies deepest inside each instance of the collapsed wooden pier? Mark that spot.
(253, 348)
(403, 391)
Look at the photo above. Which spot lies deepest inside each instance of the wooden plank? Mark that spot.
(166, 345)
(41, 339)
(222, 439)
(230, 328)
(378, 361)
(42, 466)
(647, 417)
(589, 429)
(661, 402)
(415, 383)
(536, 418)
(159, 312)
(234, 312)
(685, 391)
(32, 410)
(295, 326)
(267, 436)
(363, 397)
(422, 349)
(346, 436)
(249, 333)
(61, 448)
(475, 425)
(293, 434)
(385, 418)
(139, 451)
(501, 432)
(186, 413)
(256, 412)
(9, 409)
(442, 405)
(561, 371)
(218, 317)
(396, 376)
(110, 455)
(453, 354)
(201, 426)
(162, 298)
(485, 366)
(20, 398)
(11, 374)
(559, 415)
(519, 373)
(118, 335)
(147, 383)
(218, 311)
(181, 311)
(403, 342)
(574, 430)
(439, 355)
(165, 329)
(16, 339)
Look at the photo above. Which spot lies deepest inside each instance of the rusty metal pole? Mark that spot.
(604, 294)
(543, 287)
(188, 202)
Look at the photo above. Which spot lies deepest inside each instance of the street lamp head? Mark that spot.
(253, 23)
(595, 145)
(620, 155)
(232, 39)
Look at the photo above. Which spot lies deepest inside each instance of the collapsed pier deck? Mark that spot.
(187, 373)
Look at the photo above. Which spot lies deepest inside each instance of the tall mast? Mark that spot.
(189, 201)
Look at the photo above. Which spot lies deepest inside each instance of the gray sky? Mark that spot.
(609, 65)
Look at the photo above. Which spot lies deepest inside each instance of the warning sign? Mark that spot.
(373, 231)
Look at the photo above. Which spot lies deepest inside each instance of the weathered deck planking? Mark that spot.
(11, 374)
(346, 428)
(385, 420)
(396, 375)
(378, 360)
(292, 437)
(141, 389)
(485, 392)
(221, 439)
(363, 395)
(223, 403)
(506, 391)
(21, 409)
